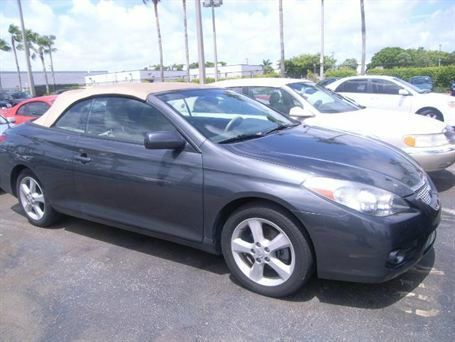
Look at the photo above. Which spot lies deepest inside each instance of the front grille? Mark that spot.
(427, 196)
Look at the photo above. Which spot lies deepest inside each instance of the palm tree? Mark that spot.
(49, 49)
(187, 51)
(158, 31)
(267, 66)
(38, 45)
(3, 47)
(362, 16)
(280, 9)
(16, 37)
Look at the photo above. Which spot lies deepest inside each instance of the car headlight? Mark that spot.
(426, 140)
(449, 132)
(361, 197)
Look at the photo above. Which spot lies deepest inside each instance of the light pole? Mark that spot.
(321, 59)
(200, 42)
(27, 52)
(213, 4)
(439, 56)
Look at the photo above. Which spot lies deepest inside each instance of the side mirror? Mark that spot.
(299, 112)
(11, 120)
(164, 140)
(403, 92)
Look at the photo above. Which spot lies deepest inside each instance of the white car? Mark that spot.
(392, 93)
(430, 142)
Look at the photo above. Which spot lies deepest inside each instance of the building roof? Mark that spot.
(137, 90)
(259, 81)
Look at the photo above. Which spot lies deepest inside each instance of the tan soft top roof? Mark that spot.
(137, 90)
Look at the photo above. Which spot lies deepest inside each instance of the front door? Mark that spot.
(118, 179)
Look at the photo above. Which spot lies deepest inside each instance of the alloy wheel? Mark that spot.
(32, 198)
(263, 252)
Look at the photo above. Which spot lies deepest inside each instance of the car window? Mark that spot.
(276, 98)
(353, 86)
(75, 118)
(37, 108)
(125, 119)
(380, 86)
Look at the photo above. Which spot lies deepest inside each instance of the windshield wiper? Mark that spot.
(281, 127)
(242, 137)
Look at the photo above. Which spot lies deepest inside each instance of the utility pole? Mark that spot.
(27, 52)
(213, 4)
(200, 42)
(439, 56)
(321, 58)
(280, 13)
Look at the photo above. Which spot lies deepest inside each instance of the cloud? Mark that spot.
(121, 35)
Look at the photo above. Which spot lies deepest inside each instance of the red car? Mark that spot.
(30, 109)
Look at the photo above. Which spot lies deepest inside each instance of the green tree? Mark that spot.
(40, 44)
(158, 31)
(300, 66)
(16, 38)
(267, 66)
(4, 46)
(350, 63)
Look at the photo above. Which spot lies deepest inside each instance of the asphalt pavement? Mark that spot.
(88, 282)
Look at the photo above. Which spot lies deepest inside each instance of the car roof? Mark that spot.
(137, 90)
(48, 99)
(259, 81)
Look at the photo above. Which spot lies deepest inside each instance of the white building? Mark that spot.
(228, 71)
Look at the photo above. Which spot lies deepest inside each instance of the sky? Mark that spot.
(121, 35)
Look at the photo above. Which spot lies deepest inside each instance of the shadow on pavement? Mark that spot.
(444, 180)
(371, 296)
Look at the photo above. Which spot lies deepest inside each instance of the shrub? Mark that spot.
(341, 72)
(442, 76)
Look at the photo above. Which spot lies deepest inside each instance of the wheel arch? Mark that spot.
(15, 172)
(237, 203)
(430, 108)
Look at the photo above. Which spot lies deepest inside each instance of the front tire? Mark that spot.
(33, 200)
(266, 251)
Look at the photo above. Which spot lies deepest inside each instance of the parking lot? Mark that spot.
(84, 281)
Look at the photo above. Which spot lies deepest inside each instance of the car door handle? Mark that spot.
(83, 158)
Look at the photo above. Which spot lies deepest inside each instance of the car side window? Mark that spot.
(125, 119)
(353, 86)
(33, 109)
(275, 98)
(379, 86)
(75, 118)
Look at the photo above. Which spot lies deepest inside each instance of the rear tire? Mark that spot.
(431, 113)
(266, 251)
(33, 200)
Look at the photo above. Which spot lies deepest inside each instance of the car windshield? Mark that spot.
(324, 100)
(412, 86)
(224, 116)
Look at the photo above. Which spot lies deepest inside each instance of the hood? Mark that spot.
(327, 153)
(439, 98)
(381, 124)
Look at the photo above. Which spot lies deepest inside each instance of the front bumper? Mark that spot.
(434, 158)
(350, 246)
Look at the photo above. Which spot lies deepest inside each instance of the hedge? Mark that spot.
(341, 72)
(442, 76)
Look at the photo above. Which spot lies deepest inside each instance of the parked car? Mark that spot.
(6, 100)
(327, 81)
(392, 93)
(215, 170)
(430, 142)
(31, 109)
(422, 82)
(452, 89)
(19, 96)
(4, 105)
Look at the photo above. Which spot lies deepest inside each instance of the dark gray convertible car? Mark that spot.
(215, 170)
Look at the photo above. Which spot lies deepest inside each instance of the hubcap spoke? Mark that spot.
(32, 186)
(37, 210)
(279, 242)
(38, 198)
(241, 246)
(256, 230)
(257, 271)
(283, 270)
(25, 189)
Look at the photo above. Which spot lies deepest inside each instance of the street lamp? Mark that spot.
(213, 4)
(27, 51)
(200, 42)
